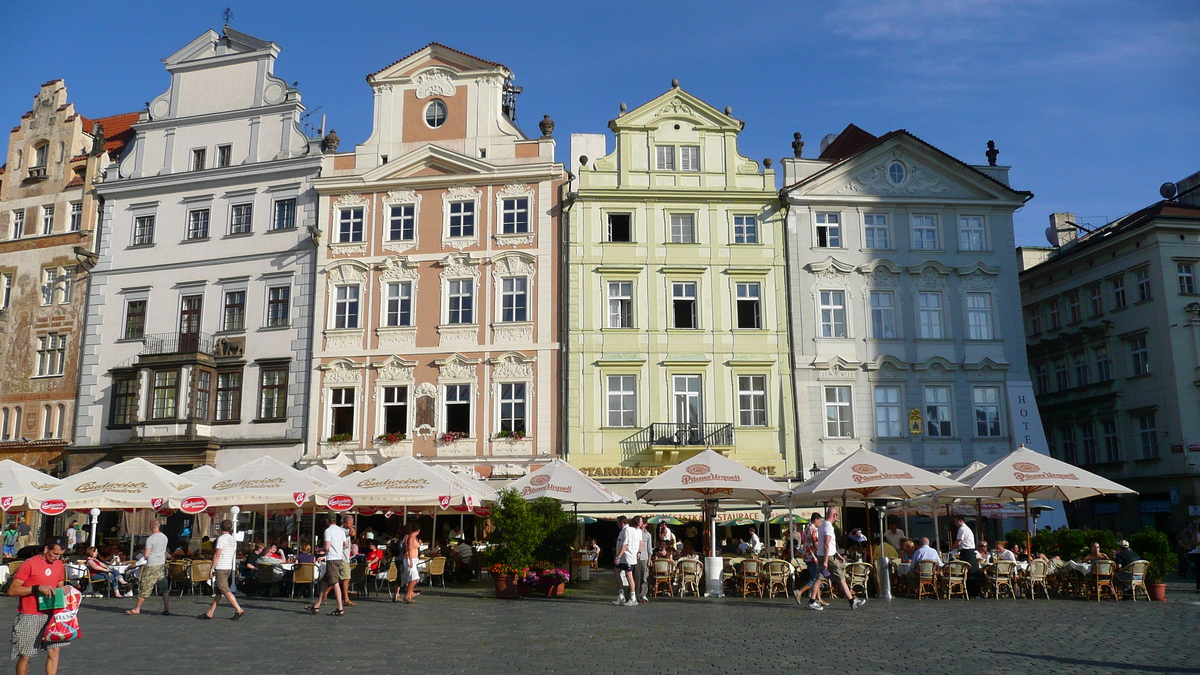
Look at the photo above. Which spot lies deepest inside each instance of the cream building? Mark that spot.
(677, 319)
(437, 301)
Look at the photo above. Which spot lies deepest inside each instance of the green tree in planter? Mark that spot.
(558, 531)
(1155, 548)
(525, 531)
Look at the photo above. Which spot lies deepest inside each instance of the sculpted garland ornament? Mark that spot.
(436, 82)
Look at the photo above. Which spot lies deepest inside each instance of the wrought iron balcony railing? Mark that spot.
(679, 434)
(179, 343)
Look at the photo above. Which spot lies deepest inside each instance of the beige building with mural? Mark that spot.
(48, 220)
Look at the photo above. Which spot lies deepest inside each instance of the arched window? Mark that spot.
(4, 435)
(47, 422)
(40, 153)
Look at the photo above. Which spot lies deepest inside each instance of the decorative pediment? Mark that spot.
(398, 267)
(918, 179)
(515, 190)
(512, 365)
(837, 365)
(881, 273)
(395, 369)
(456, 367)
(678, 104)
(513, 263)
(930, 274)
(402, 197)
(831, 269)
(977, 268)
(434, 82)
(434, 57)
(459, 265)
(986, 363)
(342, 371)
(886, 362)
(350, 200)
(923, 268)
(346, 271)
(935, 366)
(426, 160)
(462, 192)
(880, 263)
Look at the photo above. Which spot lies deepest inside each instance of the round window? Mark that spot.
(896, 173)
(435, 113)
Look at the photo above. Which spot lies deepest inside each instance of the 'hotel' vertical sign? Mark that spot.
(1023, 415)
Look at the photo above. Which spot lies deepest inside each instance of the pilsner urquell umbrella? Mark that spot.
(561, 481)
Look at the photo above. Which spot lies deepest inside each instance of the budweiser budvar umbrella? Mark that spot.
(201, 473)
(322, 474)
(561, 481)
(21, 486)
(263, 482)
(132, 484)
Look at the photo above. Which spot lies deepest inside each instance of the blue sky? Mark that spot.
(1094, 104)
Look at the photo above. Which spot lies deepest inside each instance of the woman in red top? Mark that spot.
(373, 558)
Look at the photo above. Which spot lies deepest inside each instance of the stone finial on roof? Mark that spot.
(991, 153)
(331, 141)
(797, 145)
(675, 83)
(546, 126)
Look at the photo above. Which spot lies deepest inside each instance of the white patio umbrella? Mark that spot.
(21, 486)
(322, 474)
(404, 481)
(709, 477)
(561, 481)
(201, 473)
(1026, 474)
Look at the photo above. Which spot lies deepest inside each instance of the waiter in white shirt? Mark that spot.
(964, 544)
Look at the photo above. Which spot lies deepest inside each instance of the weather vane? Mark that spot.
(227, 15)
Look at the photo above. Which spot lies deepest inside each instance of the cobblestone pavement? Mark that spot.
(464, 630)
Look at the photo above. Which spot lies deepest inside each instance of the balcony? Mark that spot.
(161, 344)
(672, 442)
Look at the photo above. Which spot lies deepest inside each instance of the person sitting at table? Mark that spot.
(907, 548)
(305, 555)
(1002, 552)
(1124, 557)
(884, 549)
(372, 557)
(924, 552)
(856, 536)
(270, 554)
(743, 547)
(1019, 553)
(983, 552)
(97, 567)
(592, 547)
(664, 551)
(688, 551)
(1094, 553)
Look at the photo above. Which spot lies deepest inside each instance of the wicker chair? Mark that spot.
(927, 579)
(1137, 577)
(1000, 577)
(749, 577)
(691, 576)
(1035, 575)
(360, 579)
(1102, 577)
(858, 575)
(775, 576)
(436, 567)
(664, 574)
(267, 576)
(729, 573)
(304, 574)
(178, 575)
(955, 579)
(199, 572)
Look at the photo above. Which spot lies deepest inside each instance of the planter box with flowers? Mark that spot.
(523, 533)
(455, 444)
(507, 442)
(339, 443)
(394, 444)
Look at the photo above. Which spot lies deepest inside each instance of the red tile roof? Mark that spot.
(50, 82)
(440, 46)
(118, 130)
(849, 142)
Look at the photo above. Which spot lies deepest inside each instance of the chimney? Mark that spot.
(1062, 229)
(829, 138)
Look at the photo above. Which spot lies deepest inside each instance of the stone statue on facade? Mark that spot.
(98, 140)
(797, 145)
(546, 126)
(991, 153)
(331, 141)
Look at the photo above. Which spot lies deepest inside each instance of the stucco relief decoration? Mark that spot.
(516, 190)
(341, 274)
(675, 106)
(456, 368)
(918, 180)
(398, 268)
(436, 82)
(882, 277)
(402, 197)
(462, 192)
(350, 340)
(397, 337)
(831, 271)
(512, 366)
(459, 265)
(510, 265)
(381, 88)
(341, 373)
(351, 200)
(396, 370)
(519, 333)
(930, 279)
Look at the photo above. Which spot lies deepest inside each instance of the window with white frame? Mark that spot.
(460, 301)
(1112, 442)
(398, 303)
(47, 421)
(402, 222)
(224, 155)
(65, 292)
(49, 282)
(683, 304)
(925, 233)
(341, 412)
(1139, 356)
(235, 311)
(350, 224)
(164, 394)
(514, 299)
(345, 306)
(52, 354)
(987, 411)
(436, 113)
(241, 219)
(47, 220)
(285, 214)
(1142, 277)
(620, 227)
(199, 156)
(752, 400)
(622, 401)
(1147, 435)
(458, 408)
(18, 221)
(664, 157)
(749, 304)
(1087, 436)
(979, 316)
(883, 315)
(197, 226)
(683, 228)
(4, 419)
(829, 230)
(971, 235)
(888, 423)
(875, 231)
(745, 229)
(1186, 273)
(395, 410)
(839, 421)
(833, 314)
(279, 306)
(512, 408)
(514, 214)
(1118, 292)
(76, 222)
(620, 304)
(1096, 300)
(1074, 310)
(41, 155)
(8, 286)
(229, 395)
(689, 158)
(1103, 365)
(938, 413)
(462, 219)
(930, 321)
(143, 231)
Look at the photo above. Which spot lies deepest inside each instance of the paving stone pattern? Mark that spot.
(464, 630)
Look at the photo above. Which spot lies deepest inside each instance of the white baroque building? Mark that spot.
(904, 302)
(198, 333)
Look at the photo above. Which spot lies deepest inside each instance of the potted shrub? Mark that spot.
(523, 533)
(504, 577)
(1154, 547)
(554, 581)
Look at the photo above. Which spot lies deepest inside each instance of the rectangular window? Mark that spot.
(345, 309)
(66, 285)
(925, 234)
(1103, 366)
(515, 215)
(838, 422)
(1074, 311)
(987, 411)
(979, 316)
(240, 221)
(876, 234)
(47, 422)
(395, 410)
(285, 214)
(745, 230)
(229, 396)
(341, 412)
(462, 219)
(1139, 356)
(402, 222)
(197, 227)
(458, 408)
(749, 305)
(664, 157)
(938, 412)
(1041, 378)
(1187, 277)
(1035, 320)
(462, 301)
(971, 234)
(752, 400)
(235, 311)
(689, 158)
(76, 222)
(1147, 436)
(883, 315)
(143, 231)
(1055, 316)
(165, 393)
(52, 354)
(620, 227)
(47, 219)
(18, 219)
(350, 225)
(8, 285)
(1142, 277)
(204, 382)
(1082, 370)
(273, 393)
(620, 304)
(135, 319)
(833, 314)
(1061, 380)
(49, 281)
(279, 306)
(125, 399)
(683, 228)
(512, 407)
(1096, 300)
(1118, 292)
(929, 310)
(198, 159)
(1087, 436)
(399, 304)
(514, 299)
(224, 155)
(683, 304)
(622, 401)
(1112, 443)
(829, 230)
(887, 413)
(1066, 438)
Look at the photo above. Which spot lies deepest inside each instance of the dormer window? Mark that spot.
(435, 113)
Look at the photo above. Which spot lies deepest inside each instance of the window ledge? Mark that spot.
(226, 422)
(1119, 309)
(238, 235)
(137, 246)
(681, 243)
(746, 243)
(268, 420)
(45, 377)
(936, 340)
(878, 250)
(757, 329)
(629, 329)
(273, 230)
(620, 243)
(195, 240)
(239, 331)
(266, 329)
(131, 339)
(926, 250)
(500, 236)
(976, 251)
(1138, 377)
(1143, 302)
(987, 341)
(828, 248)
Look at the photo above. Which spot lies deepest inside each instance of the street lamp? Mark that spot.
(95, 513)
(812, 473)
